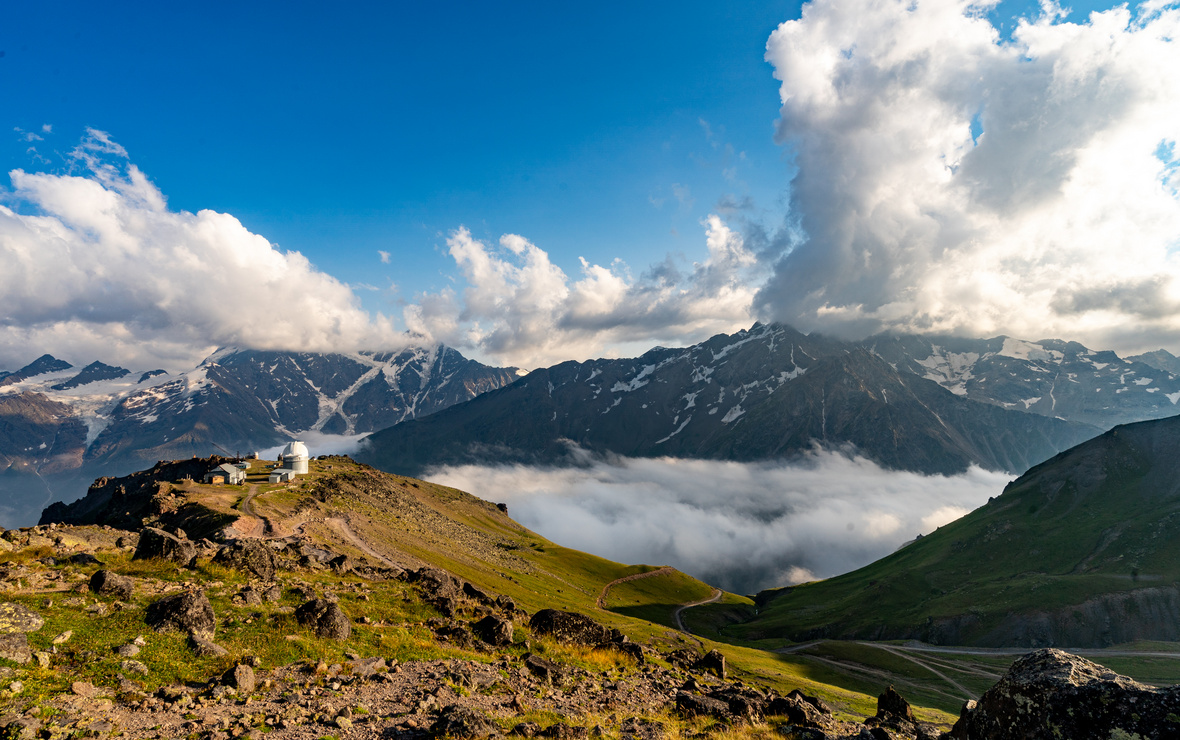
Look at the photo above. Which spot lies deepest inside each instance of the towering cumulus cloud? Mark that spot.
(97, 265)
(953, 180)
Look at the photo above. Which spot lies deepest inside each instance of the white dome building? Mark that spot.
(295, 457)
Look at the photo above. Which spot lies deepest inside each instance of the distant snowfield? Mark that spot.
(740, 526)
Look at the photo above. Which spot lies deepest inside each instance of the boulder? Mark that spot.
(14, 646)
(570, 627)
(241, 678)
(205, 648)
(1051, 693)
(156, 543)
(637, 728)
(460, 722)
(18, 618)
(546, 670)
(109, 583)
(188, 611)
(711, 662)
(891, 703)
(694, 705)
(326, 618)
(250, 556)
(494, 630)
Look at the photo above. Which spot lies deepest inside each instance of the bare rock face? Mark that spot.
(156, 543)
(109, 583)
(189, 611)
(249, 555)
(327, 619)
(891, 703)
(570, 627)
(1050, 693)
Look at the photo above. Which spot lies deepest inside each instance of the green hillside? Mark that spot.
(1083, 550)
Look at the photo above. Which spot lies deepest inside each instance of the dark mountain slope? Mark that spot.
(767, 393)
(1082, 550)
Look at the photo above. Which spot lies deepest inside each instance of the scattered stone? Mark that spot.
(562, 731)
(18, 618)
(188, 611)
(570, 627)
(134, 666)
(24, 728)
(636, 728)
(156, 543)
(250, 555)
(693, 705)
(43, 658)
(326, 618)
(1051, 693)
(248, 596)
(107, 583)
(546, 670)
(241, 678)
(527, 729)
(274, 592)
(494, 630)
(84, 689)
(64, 637)
(712, 662)
(459, 722)
(15, 647)
(84, 558)
(129, 650)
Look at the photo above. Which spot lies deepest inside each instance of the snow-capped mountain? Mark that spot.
(104, 419)
(1054, 378)
(766, 393)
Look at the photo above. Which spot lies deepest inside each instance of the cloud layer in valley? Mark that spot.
(953, 180)
(97, 265)
(740, 526)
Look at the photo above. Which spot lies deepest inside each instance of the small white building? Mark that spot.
(294, 458)
(226, 473)
(281, 475)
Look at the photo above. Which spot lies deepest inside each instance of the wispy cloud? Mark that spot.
(741, 526)
(385, 256)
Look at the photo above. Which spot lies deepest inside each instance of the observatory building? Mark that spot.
(292, 462)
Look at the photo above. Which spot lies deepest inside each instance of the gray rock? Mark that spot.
(693, 705)
(241, 677)
(156, 543)
(546, 670)
(14, 646)
(108, 583)
(249, 555)
(891, 703)
(460, 722)
(1050, 693)
(570, 627)
(494, 630)
(129, 650)
(326, 618)
(188, 611)
(134, 666)
(712, 662)
(18, 618)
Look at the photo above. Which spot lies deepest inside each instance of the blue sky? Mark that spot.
(606, 132)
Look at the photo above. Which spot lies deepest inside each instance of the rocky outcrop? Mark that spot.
(1050, 693)
(325, 618)
(248, 555)
(156, 543)
(188, 611)
(109, 583)
(570, 627)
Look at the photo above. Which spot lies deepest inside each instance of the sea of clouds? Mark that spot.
(740, 526)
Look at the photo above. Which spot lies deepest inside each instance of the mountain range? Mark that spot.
(929, 404)
(64, 426)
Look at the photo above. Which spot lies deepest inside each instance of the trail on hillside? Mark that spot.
(340, 525)
(633, 577)
(967, 693)
(680, 609)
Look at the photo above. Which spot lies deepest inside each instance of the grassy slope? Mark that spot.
(1053, 539)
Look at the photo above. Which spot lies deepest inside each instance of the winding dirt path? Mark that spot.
(680, 609)
(967, 693)
(633, 577)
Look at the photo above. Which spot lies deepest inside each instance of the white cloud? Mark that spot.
(519, 308)
(97, 266)
(1061, 219)
(385, 256)
(741, 526)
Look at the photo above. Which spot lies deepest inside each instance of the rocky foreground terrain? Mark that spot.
(296, 618)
